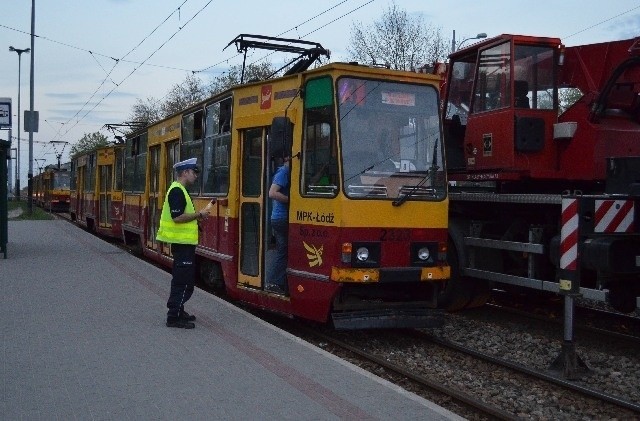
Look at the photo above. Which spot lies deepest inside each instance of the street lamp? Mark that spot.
(19, 51)
(479, 36)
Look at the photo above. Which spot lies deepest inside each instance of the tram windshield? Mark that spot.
(61, 181)
(390, 140)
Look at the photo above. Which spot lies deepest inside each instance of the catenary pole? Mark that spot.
(31, 116)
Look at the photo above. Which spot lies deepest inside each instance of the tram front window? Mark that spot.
(390, 140)
(61, 181)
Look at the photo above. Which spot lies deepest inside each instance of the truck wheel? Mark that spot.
(481, 293)
(622, 296)
(457, 291)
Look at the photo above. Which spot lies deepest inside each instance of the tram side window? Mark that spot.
(173, 149)
(135, 163)
(320, 169)
(191, 146)
(217, 148)
(90, 174)
(72, 176)
(320, 175)
(118, 170)
(252, 162)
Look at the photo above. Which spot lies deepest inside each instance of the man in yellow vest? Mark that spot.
(179, 227)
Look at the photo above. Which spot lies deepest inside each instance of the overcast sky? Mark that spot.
(94, 58)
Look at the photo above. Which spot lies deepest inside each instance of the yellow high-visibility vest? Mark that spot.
(177, 233)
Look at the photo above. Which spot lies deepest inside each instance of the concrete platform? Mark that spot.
(83, 337)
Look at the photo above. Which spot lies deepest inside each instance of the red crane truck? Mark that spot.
(543, 158)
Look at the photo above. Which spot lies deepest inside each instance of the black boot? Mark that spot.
(180, 323)
(187, 317)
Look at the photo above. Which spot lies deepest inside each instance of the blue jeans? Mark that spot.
(278, 270)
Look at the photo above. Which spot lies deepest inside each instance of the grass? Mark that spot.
(37, 214)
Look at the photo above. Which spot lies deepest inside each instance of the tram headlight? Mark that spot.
(362, 254)
(365, 254)
(424, 254)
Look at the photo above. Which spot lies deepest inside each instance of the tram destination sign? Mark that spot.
(5, 112)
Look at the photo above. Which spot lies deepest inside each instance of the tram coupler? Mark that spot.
(568, 363)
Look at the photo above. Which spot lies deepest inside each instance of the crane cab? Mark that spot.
(504, 121)
(501, 104)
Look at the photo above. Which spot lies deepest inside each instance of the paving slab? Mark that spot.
(83, 337)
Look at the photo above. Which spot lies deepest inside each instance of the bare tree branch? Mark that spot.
(397, 40)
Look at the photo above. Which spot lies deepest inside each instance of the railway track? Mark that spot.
(454, 399)
(566, 384)
(479, 406)
(627, 323)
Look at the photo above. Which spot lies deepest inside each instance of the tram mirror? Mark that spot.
(280, 137)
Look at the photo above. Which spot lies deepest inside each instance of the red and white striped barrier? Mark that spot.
(613, 216)
(569, 234)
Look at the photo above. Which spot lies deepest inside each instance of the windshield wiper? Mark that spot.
(431, 174)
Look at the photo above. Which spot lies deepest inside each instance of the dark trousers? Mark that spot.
(278, 272)
(183, 280)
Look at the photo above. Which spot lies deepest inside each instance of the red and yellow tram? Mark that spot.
(96, 190)
(51, 189)
(368, 199)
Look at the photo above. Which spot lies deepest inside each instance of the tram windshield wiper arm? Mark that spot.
(431, 174)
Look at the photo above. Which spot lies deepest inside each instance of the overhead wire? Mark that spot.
(226, 60)
(136, 68)
(321, 27)
(280, 34)
(117, 61)
(144, 62)
(601, 22)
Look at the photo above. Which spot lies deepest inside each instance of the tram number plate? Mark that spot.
(395, 235)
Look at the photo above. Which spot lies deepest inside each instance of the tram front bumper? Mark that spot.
(391, 318)
(387, 275)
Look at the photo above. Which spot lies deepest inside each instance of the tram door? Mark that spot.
(105, 173)
(252, 209)
(153, 215)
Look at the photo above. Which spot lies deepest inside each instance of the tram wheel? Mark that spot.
(211, 275)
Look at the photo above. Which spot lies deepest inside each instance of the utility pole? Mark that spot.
(19, 51)
(34, 120)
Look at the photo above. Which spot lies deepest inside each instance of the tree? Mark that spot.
(193, 90)
(182, 95)
(257, 71)
(398, 41)
(88, 142)
(145, 111)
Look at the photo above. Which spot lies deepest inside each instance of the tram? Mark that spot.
(96, 190)
(368, 199)
(51, 189)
